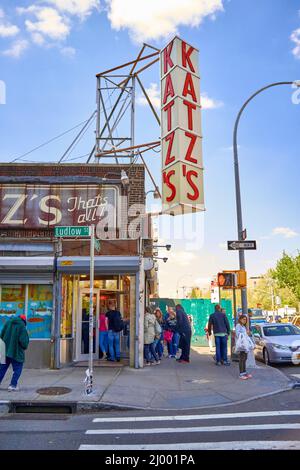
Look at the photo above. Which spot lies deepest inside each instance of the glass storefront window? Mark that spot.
(12, 302)
(39, 311)
(67, 307)
(33, 300)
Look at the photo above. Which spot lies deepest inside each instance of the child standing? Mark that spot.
(241, 329)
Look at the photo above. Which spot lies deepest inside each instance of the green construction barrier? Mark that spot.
(200, 310)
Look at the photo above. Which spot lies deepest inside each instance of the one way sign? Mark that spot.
(241, 245)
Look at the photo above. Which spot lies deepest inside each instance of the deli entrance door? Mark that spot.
(82, 339)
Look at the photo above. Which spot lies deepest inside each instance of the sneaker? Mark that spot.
(227, 363)
(249, 376)
(11, 388)
(218, 363)
(243, 377)
(148, 364)
(183, 361)
(157, 362)
(118, 359)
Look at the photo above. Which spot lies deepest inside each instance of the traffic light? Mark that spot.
(227, 280)
(240, 277)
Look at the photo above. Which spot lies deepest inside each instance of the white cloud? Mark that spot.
(295, 37)
(7, 29)
(38, 39)
(81, 8)
(154, 94)
(69, 52)
(210, 103)
(49, 22)
(286, 232)
(155, 19)
(17, 49)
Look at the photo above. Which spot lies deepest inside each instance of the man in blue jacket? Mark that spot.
(218, 322)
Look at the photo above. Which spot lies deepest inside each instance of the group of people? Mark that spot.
(171, 332)
(218, 325)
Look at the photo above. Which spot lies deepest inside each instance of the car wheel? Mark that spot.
(266, 357)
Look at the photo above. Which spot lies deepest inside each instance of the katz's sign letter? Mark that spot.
(182, 165)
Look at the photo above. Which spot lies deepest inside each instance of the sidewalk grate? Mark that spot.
(53, 391)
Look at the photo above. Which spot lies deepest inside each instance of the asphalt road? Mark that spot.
(290, 370)
(264, 428)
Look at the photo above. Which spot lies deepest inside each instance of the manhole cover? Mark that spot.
(53, 390)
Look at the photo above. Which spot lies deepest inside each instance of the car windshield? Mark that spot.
(281, 330)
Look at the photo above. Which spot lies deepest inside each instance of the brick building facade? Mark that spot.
(47, 279)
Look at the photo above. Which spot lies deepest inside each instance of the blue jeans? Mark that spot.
(17, 368)
(114, 345)
(159, 348)
(173, 345)
(150, 353)
(221, 348)
(103, 341)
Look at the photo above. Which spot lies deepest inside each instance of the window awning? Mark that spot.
(26, 263)
(103, 264)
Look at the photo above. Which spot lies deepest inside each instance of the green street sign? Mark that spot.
(72, 231)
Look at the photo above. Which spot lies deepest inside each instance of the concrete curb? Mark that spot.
(4, 407)
(90, 407)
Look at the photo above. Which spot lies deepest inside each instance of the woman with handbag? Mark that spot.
(242, 345)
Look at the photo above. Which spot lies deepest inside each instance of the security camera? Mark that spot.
(165, 260)
(168, 247)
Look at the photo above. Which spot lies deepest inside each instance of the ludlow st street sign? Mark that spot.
(241, 245)
(73, 231)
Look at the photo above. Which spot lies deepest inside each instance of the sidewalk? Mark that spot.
(168, 386)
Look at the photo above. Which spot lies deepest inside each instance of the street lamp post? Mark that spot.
(238, 188)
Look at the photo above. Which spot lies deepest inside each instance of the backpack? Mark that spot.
(118, 323)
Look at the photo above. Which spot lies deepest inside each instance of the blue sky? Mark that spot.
(50, 51)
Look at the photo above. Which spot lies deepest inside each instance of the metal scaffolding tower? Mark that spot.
(115, 116)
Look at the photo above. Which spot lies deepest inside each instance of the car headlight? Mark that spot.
(280, 346)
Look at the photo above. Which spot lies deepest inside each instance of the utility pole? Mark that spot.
(237, 184)
(89, 378)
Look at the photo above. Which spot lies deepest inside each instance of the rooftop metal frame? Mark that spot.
(115, 115)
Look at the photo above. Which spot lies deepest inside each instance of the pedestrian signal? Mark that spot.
(227, 280)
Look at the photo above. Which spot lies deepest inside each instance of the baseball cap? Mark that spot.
(23, 317)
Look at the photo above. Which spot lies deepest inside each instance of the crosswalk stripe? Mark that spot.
(197, 417)
(246, 427)
(233, 445)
